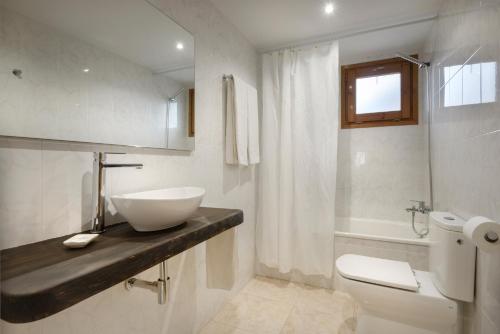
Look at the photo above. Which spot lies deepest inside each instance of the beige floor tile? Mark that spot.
(273, 289)
(315, 322)
(268, 305)
(326, 301)
(218, 328)
(255, 314)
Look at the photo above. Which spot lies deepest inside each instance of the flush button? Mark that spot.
(459, 241)
(491, 237)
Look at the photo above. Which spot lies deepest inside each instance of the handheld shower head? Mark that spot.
(413, 60)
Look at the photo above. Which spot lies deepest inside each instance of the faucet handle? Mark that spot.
(421, 206)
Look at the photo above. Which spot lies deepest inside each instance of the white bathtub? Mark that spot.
(382, 230)
(381, 238)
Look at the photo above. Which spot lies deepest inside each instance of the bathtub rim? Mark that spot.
(369, 235)
(417, 242)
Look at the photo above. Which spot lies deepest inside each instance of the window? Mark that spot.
(469, 84)
(379, 93)
(172, 113)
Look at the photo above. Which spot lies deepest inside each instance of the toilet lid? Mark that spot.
(385, 272)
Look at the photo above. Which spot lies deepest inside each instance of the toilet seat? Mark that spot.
(390, 273)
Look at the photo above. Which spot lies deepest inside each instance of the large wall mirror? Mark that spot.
(100, 71)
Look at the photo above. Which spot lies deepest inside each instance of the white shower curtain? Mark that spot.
(296, 206)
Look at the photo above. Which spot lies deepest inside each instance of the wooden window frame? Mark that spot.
(191, 113)
(408, 115)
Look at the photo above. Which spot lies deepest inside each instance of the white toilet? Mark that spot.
(396, 299)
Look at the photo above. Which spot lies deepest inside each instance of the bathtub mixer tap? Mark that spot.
(423, 209)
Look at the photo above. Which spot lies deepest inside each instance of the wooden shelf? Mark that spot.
(43, 278)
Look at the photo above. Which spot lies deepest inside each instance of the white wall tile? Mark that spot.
(466, 140)
(20, 193)
(44, 193)
(379, 171)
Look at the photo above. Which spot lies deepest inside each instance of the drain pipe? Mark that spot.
(160, 286)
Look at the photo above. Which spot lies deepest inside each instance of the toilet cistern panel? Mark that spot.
(452, 258)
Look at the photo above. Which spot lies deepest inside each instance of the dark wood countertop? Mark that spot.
(43, 278)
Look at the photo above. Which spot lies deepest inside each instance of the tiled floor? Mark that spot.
(274, 306)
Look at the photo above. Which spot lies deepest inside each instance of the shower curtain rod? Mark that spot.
(348, 33)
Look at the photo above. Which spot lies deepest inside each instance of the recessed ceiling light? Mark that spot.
(329, 8)
(180, 46)
(86, 70)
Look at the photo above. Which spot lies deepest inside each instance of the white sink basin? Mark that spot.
(158, 209)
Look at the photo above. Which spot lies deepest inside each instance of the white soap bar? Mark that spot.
(79, 240)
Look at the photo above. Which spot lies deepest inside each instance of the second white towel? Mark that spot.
(242, 123)
(241, 119)
(253, 126)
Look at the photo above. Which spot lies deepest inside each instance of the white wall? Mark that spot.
(45, 192)
(379, 170)
(466, 140)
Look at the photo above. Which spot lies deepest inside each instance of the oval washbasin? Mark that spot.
(158, 209)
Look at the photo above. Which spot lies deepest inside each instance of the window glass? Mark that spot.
(469, 84)
(488, 82)
(172, 113)
(380, 93)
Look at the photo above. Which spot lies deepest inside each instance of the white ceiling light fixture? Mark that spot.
(86, 70)
(329, 8)
(179, 46)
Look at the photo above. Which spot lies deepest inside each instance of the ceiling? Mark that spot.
(132, 29)
(184, 76)
(271, 24)
(384, 43)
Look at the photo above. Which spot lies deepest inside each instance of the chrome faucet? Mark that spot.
(98, 191)
(421, 207)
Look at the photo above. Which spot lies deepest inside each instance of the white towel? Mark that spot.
(241, 119)
(242, 123)
(231, 150)
(253, 126)
(222, 260)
